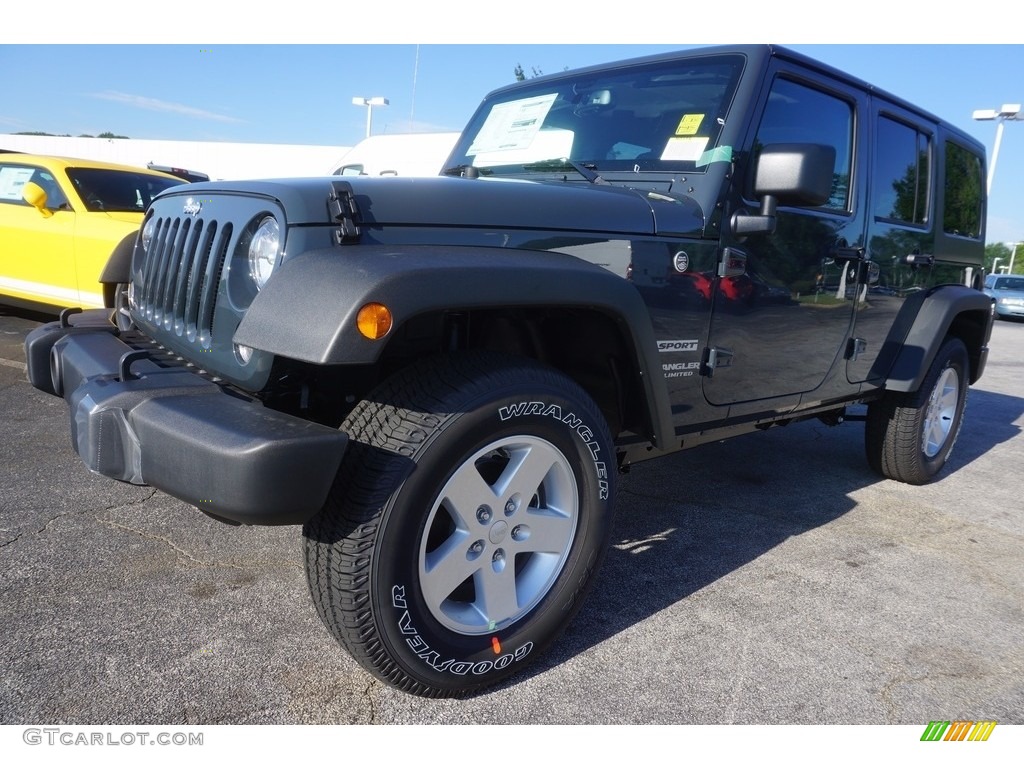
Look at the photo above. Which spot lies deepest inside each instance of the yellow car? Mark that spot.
(61, 221)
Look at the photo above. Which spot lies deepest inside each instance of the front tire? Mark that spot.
(121, 316)
(909, 436)
(468, 519)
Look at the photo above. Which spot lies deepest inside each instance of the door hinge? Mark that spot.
(855, 348)
(714, 358)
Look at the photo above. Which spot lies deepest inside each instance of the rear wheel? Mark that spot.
(909, 436)
(466, 524)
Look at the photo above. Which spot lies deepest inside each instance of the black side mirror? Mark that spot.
(787, 174)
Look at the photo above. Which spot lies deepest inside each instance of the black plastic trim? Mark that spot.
(932, 322)
(177, 431)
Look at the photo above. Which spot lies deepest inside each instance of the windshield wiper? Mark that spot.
(587, 170)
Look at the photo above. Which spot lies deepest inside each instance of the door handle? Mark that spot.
(848, 254)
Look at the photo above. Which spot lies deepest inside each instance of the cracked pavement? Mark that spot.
(770, 579)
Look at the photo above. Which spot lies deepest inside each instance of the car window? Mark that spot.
(102, 189)
(801, 114)
(13, 179)
(965, 192)
(902, 172)
(55, 199)
(1010, 284)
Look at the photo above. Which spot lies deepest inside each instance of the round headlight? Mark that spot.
(147, 232)
(264, 250)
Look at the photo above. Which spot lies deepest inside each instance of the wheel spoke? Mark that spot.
(935, 437)
(497, 597)
(948, 400)
(548, 531)
(526, 470)
(447, 567)
(465, 493)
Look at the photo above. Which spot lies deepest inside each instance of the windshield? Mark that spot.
(1010, 284)
(663, 116)
(107, 190)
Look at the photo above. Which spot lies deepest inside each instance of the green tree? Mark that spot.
(521, 74)
(104, 135)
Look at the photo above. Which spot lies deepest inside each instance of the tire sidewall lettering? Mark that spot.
(573, 422)
(422, 650)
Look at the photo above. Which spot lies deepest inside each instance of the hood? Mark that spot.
(490, 203)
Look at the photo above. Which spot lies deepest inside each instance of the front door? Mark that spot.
(778, 329)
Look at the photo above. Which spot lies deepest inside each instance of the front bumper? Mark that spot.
(1009, 310)
(135, 421)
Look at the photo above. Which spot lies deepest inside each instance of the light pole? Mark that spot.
(1013, 253)
(376, 101)
(995, 265)
(1007, 112)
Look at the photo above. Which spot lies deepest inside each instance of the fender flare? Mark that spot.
(966, 311)
(307, 310)
(118, 268)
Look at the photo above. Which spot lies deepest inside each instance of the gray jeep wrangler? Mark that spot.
(440, 379)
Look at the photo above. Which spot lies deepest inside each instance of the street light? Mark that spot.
(376, 101)
(1013, 253)
(995, 265)
(1007, 112)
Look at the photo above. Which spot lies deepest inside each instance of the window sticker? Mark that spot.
(512, 125)
(689, 125)
(12, 182)
(684, 148)
(716, 155)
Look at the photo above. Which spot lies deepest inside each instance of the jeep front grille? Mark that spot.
(181, 272)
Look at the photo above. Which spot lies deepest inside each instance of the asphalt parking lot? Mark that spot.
(772, 579)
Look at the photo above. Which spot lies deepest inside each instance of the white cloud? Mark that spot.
(156, 105)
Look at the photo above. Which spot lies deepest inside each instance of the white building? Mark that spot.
(397, 154)
(217, 159)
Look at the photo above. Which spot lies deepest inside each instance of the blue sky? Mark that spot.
(302, 93)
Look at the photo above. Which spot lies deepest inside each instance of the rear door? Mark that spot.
(901, 232)
(926, 210)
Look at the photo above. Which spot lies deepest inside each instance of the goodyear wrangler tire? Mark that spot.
(909, 437)
(467, 521)
(121, 315)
